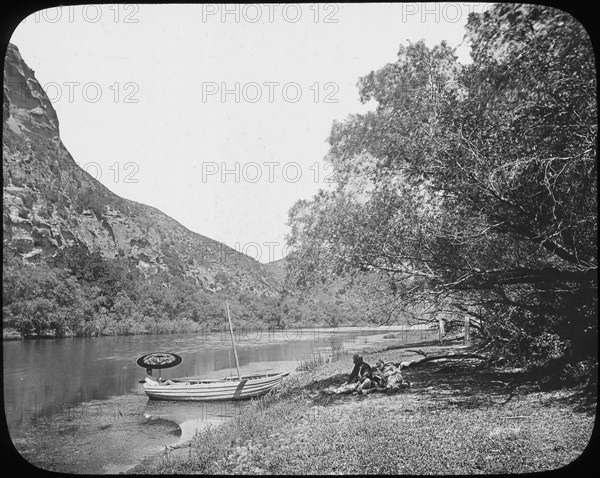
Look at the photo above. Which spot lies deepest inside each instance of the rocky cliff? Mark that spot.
(50, 203)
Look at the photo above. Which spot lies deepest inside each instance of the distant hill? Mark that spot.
(50, 204)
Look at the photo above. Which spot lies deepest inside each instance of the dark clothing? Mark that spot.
(361, 371)
(378, 377)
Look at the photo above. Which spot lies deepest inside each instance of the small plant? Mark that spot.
(311, 362)
(317, 359)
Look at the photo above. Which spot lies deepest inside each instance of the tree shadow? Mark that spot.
(475, 387)
(583, 400)
(466, 384)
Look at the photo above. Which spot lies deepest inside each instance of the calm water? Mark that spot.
(45, 376)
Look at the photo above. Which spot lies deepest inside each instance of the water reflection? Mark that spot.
(192, 416)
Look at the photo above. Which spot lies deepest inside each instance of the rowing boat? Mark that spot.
(242, 388)
(230, 388)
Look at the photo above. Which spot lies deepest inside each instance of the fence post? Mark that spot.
(467, 331)
(441, 330)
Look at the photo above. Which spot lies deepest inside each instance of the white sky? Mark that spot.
(146, 99)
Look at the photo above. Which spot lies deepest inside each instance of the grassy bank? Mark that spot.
(452, 420)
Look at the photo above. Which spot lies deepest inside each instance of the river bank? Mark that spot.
(452, 420)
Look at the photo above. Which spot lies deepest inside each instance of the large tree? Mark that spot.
(473, 187)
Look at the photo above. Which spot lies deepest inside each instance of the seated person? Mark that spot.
(150, 380)
(392, 376)
(362, 373)
(381, 372)
(359, 379)
(385, 367)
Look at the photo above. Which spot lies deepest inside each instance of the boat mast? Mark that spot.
(237, 363)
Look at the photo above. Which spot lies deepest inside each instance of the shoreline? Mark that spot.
(12, 335)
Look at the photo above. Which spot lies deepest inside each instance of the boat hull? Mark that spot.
(214, 390)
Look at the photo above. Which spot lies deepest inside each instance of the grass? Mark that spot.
(312, 362)
(320, 358)
(453, 420)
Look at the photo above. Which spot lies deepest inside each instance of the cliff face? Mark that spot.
(50, 203)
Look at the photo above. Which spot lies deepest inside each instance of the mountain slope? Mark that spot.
(50, 203)
(277, 269)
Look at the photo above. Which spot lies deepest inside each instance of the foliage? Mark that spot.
(81, 293)
(472, 188)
